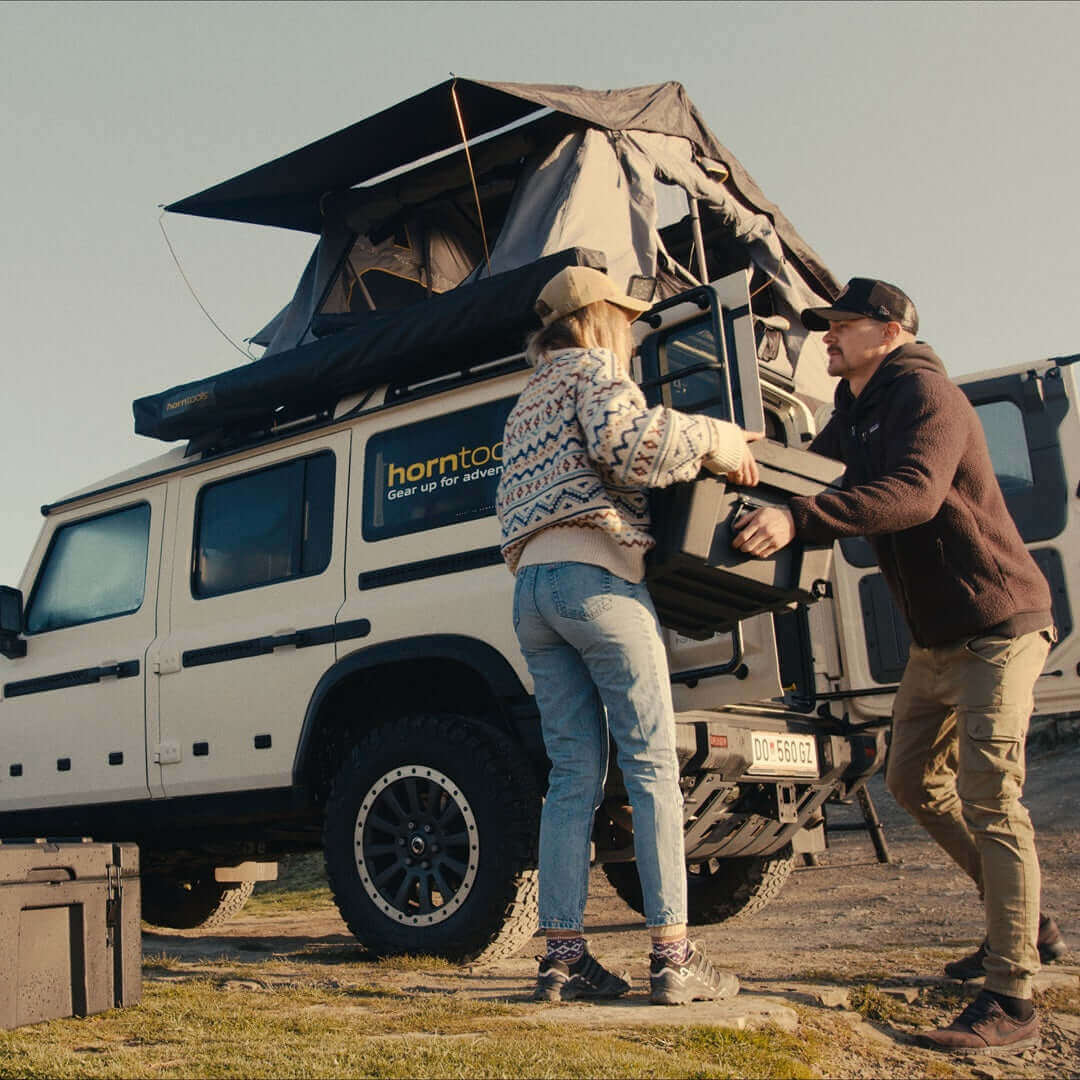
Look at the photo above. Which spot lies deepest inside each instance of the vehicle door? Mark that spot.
(256, 586)
(73, 720)
(1032, 428)
(698, 354)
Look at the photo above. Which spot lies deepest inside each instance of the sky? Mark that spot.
(931, 145)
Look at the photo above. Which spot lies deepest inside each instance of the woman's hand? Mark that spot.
(745, 474)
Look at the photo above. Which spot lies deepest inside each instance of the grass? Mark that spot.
(200, 1028)
(871, 1003)
(301, 886)
(336, 1010)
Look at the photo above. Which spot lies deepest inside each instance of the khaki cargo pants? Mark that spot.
(956, 764)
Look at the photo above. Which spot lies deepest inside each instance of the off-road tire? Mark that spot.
(201, 903)
(719, 890)
(474, 899)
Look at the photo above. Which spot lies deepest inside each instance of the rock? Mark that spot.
(1068, 1023)
(872, 1034)
(743, 1013)
(1048, 979)
(910, 994)
(832, 997)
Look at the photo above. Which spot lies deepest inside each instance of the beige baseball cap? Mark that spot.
(578, 286)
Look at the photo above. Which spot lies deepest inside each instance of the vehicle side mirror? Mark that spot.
(11, 623)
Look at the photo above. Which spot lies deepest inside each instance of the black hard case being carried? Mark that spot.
(699, 584)
(69, 928)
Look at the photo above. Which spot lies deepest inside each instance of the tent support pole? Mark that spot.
(472, 173)
(699, 242)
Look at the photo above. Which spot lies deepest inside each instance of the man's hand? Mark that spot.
(764, 532)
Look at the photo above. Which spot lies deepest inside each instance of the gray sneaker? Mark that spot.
(696, 980)
(584, 978)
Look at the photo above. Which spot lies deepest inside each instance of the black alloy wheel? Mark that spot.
(430, 840)
(417, 846)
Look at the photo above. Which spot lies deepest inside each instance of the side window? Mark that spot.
(433, 473)
(1021, 415)
(94, 569)
(264, 527)
(1003, 423)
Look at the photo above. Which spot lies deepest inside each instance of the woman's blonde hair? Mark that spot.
(596, 326)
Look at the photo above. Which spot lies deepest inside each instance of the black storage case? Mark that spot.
(69, 924)
(699, 584)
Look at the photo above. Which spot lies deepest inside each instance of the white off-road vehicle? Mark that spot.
(293, 629)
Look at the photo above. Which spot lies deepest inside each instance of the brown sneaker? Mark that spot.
(983, 1026)
(1050, 942)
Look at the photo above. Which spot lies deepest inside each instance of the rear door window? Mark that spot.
(436, 472)
(1021, 415)
(264, 527)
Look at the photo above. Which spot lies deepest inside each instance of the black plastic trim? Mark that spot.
(262, 646)
(65, 680)
(163, 823)
(483, 658)
(427, 568)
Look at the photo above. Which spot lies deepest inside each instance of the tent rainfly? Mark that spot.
(440, 217)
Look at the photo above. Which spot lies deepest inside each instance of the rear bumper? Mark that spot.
(731, 812)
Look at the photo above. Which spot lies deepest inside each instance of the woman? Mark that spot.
(580, 449)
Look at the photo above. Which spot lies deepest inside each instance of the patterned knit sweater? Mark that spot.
(581, 447)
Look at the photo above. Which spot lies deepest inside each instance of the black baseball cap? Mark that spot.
(865, 298)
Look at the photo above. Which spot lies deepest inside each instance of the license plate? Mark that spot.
(783, 754)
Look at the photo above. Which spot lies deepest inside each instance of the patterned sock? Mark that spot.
(567, 949)
(675, 950)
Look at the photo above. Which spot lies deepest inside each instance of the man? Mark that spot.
(919, 485)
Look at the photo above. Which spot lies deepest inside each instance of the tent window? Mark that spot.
(387, 290)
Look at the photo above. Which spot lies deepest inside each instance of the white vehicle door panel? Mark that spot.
(238, 667)
(73, 719)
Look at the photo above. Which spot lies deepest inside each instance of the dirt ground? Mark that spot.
(847, 931)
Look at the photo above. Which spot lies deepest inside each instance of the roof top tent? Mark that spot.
(440, 218)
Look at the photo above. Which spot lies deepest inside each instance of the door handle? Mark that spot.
(117, 669)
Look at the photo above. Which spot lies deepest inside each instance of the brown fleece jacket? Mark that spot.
(919, 485)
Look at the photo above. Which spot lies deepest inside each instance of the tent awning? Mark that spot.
(288, 192)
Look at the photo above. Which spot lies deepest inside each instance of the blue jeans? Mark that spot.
(592, 642)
